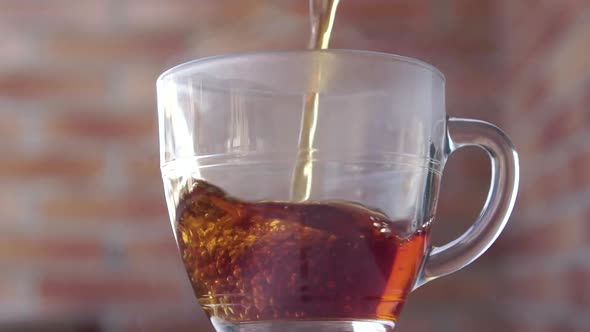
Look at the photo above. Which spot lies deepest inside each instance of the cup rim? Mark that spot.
(369, 54)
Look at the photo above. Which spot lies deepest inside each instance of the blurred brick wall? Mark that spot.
(83, 227)
(544, 256)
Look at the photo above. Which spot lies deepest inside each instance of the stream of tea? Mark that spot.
(322, 16)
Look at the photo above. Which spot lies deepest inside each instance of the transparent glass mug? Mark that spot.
(345, 258)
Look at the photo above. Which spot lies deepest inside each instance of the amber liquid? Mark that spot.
(322, 16)
(260, 261)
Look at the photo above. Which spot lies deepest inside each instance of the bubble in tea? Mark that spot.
(260, 261)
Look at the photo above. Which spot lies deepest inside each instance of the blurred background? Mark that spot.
(85, 240)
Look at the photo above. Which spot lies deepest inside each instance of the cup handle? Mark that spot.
(457, 254)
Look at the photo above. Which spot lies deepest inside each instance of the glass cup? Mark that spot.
(346, 257)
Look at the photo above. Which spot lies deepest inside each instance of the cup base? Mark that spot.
(305, 326)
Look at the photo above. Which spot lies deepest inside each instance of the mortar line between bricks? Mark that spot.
(519, 265)
(546, 313)
(118, 15)
(125, 230)
(555, 157)
(117, 315)
(549, 109)
(553, 100)
(563, 203)
(549, 271)
(112, 176)
(520, 49)
(543, 214)
(580, 257)
(159, 270)
(532, 65)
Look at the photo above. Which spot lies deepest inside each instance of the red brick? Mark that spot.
(9, 290)
(563, 326)
(544, 24)
(526, 97)
(106, 289)
(560, 235)
(502, 247)
(100, 48)
(568, 121)
(462, 198)
(462, 285)
(52, 85)
(536, 96)
(194, 321)
(373, 9)
(49, 165)
(517, 14)
(583, 102)
(415, 324)
(17, 249)
(434, 45)
(17, 48)
(138, 87)
(188, 14)
(92, 207)
(473, 83)
(464, 187)
(149, 185)
(377, 8)
(57, 13)
(550, 186)
(584, 105)
(474, 10)
(468, 163)
(475, 42)
(461, 201)
(578, 170)
(526, 199)
(253, 35)
(536, 287)
(144, 168)
(12, 207)
(11, 129)
(525, 139)
(41, 322)
(578, 288)
(153, 249)
(453, 219)
(521, 325)
(568, 66)
(551, 27)
(101, 125)
(159, 326)
(410, 44)
(481, 322)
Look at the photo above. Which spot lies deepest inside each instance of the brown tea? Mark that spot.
(254, 261)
